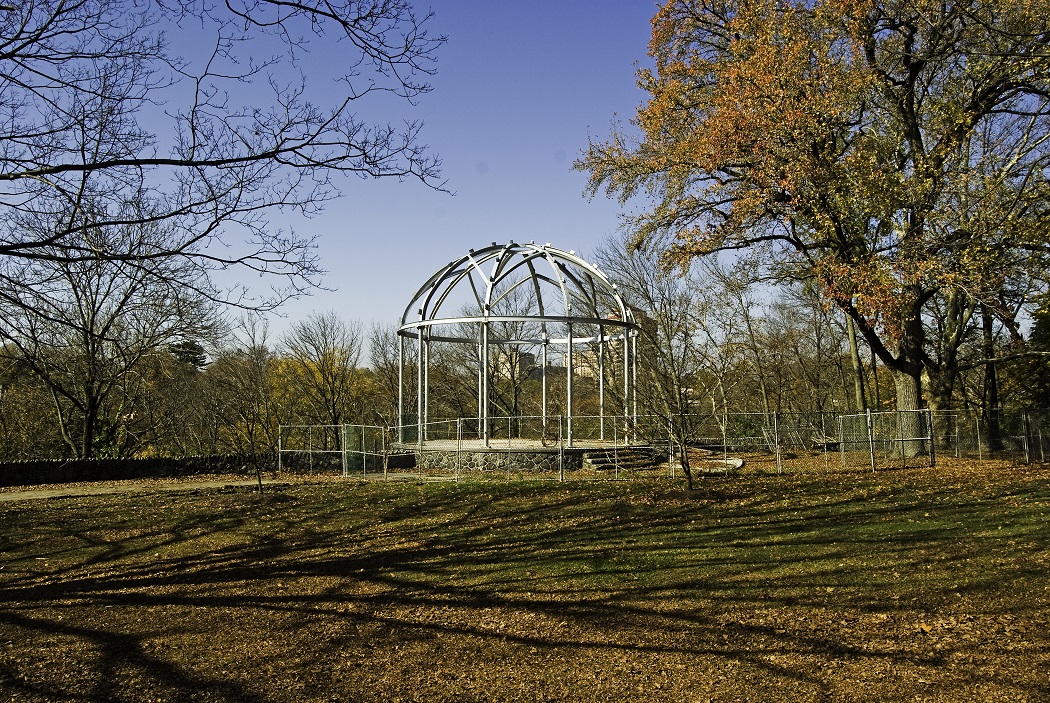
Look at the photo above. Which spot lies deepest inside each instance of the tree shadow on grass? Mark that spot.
(143, 598)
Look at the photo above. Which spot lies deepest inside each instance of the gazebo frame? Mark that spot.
(576, 292)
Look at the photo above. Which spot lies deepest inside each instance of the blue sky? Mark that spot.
(519, 88)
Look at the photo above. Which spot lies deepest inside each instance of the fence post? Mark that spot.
(824, 438)
(842, 443)
(900, 435)
(1024, 433)
(670, 447)
(386, 454)
(561, 453)
(459, 445)
(280, 437)
(342, 446)
(1039, 437)
(725, 439)
(871, 439)
(776, 440)
(958, 438)
(933, 440)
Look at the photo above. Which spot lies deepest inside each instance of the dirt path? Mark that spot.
(211, 481)
(72, 490)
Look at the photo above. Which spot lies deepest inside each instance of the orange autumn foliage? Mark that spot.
(894, 151)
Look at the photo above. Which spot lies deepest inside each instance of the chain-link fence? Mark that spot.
(311, 449)
(766, 441)
(344, 449)
(622, 447)
(1016, 435)
(885, 439)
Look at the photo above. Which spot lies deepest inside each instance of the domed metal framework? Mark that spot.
(526, 296)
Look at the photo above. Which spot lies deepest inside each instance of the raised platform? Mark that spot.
(523, 455)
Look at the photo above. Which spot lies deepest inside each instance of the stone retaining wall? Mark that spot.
(532, 461)
(34, 473)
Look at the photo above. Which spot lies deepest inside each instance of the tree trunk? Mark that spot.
(683, 449)
(875, 380)
(63, 424)
(909, 390)
(990, 406)
(941, 383)
(858, 366)
(757, 354)
(909, 420)
(87, 432)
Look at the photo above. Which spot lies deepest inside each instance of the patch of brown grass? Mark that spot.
(924, 584)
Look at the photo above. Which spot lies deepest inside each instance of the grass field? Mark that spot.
(917, 585)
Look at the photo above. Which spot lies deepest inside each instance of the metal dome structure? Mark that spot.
(531, 296)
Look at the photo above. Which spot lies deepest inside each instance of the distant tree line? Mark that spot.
(179, 380)
(185, 396)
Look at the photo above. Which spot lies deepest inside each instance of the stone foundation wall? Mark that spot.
(524, 461)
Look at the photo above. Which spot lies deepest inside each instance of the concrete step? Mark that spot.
(623, 458)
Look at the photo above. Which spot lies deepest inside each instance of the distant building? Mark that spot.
(511, 358)
(586, 362)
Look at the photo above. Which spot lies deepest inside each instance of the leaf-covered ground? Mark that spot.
(918, 585)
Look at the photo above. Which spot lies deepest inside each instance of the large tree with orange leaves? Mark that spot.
(894, 150)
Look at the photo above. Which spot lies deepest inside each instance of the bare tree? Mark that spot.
(27, 425)
(510, 362)
(86, 327)
(384, 360)
(671, 360)
(811, 350)
(322, 354)
(174, 409)
(103, 124)
(246, 393)
(452, 390)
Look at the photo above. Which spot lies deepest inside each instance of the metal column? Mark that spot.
(601, 382)
(568, 386)
(400, 388)
(485, 381)
(419, 387)
(543, 387)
